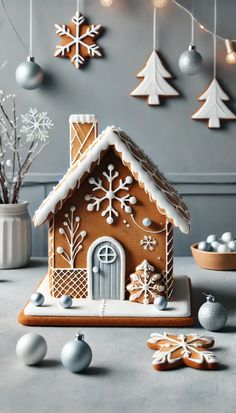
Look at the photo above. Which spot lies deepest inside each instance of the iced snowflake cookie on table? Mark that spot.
(78, 40)
(176, 350)
(112, 215)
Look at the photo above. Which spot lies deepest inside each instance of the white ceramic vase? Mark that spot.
(15, 235)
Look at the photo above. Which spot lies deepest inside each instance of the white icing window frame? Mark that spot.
(90, 265)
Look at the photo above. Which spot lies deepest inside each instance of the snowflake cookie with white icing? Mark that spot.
(176, 350)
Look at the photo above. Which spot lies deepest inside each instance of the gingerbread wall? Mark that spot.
(127, 233)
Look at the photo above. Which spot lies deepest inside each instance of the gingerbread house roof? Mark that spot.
(153, 182)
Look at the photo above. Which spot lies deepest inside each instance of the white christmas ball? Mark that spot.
(31, 348)
(211, 238)
(204, 246)
(227, 236)
(76, 355)
(215, 245)
(160, 302)
(212, 315)
(190, 61)
(29, 74)
(232, 245)
(222, 248)
(37, 299)
(66, 301)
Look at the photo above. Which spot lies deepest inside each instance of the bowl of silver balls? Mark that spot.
(216, 253)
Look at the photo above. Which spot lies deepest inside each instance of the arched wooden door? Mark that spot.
(106, 270)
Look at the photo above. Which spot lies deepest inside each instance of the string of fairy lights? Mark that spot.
(230, 53)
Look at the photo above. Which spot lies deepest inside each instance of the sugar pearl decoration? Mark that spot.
(37, 299)
(76, 355)
(147, 222)
(31, 348)
(160, 302)
(66, 301)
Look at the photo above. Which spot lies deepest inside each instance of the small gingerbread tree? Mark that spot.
(214, 108)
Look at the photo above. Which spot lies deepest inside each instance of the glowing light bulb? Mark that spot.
(231, 55)
(106, 3)
(201, 26)
(160, 3)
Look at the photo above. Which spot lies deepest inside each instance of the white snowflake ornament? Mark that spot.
(148, 243)
(109, 193)
(36, 125)
(77, 40)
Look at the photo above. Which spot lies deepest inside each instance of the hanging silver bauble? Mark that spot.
(212, 315)
(190, 61)
(76, 355)
(29, 74)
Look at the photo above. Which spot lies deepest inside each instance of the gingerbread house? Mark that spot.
(110, 220)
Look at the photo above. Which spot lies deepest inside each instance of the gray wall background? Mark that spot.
(201, 162)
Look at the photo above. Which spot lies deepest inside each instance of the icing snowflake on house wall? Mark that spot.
(77, 40)
(110, 194)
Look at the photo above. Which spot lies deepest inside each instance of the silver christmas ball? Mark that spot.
(160, 302)
(76, 355)
(31, 348)
(190, 61)
(37, 299)
(212, 315)
(29, 74)
(66, 301)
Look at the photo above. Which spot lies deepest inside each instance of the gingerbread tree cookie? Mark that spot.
(145, 284)
(77, 40)
(177, 350)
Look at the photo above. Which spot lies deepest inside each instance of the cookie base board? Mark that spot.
(111, 312)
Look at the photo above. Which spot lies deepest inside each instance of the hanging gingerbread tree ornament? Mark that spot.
(154, 74)
(214, 107)
(77, 40)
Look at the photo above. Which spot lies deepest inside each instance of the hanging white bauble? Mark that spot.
(212, 315)
(190, 61)
(76, 355)
(31, 348)
(29, 74)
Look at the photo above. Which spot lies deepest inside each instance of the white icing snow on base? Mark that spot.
(180, 306)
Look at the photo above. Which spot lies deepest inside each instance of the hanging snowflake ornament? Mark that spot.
(77, 40)
(36, 125)
(148, 243)
(109, 193)
(177, 350)
(145, 284)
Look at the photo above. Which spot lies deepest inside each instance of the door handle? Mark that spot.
(95, 269)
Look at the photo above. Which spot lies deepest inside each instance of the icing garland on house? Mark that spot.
(174, 350)
(110, 194)
(148, 243)
(74, 238)
(145, 284)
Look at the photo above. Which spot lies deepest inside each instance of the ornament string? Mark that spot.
(154, 27)
(30, 31)
(12, 25)
(214, 38)
(78, 6)
(192, 30)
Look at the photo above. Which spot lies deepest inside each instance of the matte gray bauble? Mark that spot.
(190, 61)
(76, 355)
(160, 303)
(31, 348)
(65, 301)
(37, 299)
(29, 74)
(212, 315)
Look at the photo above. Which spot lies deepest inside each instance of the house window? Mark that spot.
(106, 254)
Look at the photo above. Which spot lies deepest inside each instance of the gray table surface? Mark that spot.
(120, 378)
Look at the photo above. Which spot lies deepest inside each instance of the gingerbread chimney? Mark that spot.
(83, 131)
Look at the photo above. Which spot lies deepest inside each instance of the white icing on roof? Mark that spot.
(83, 118)
(154, 183)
